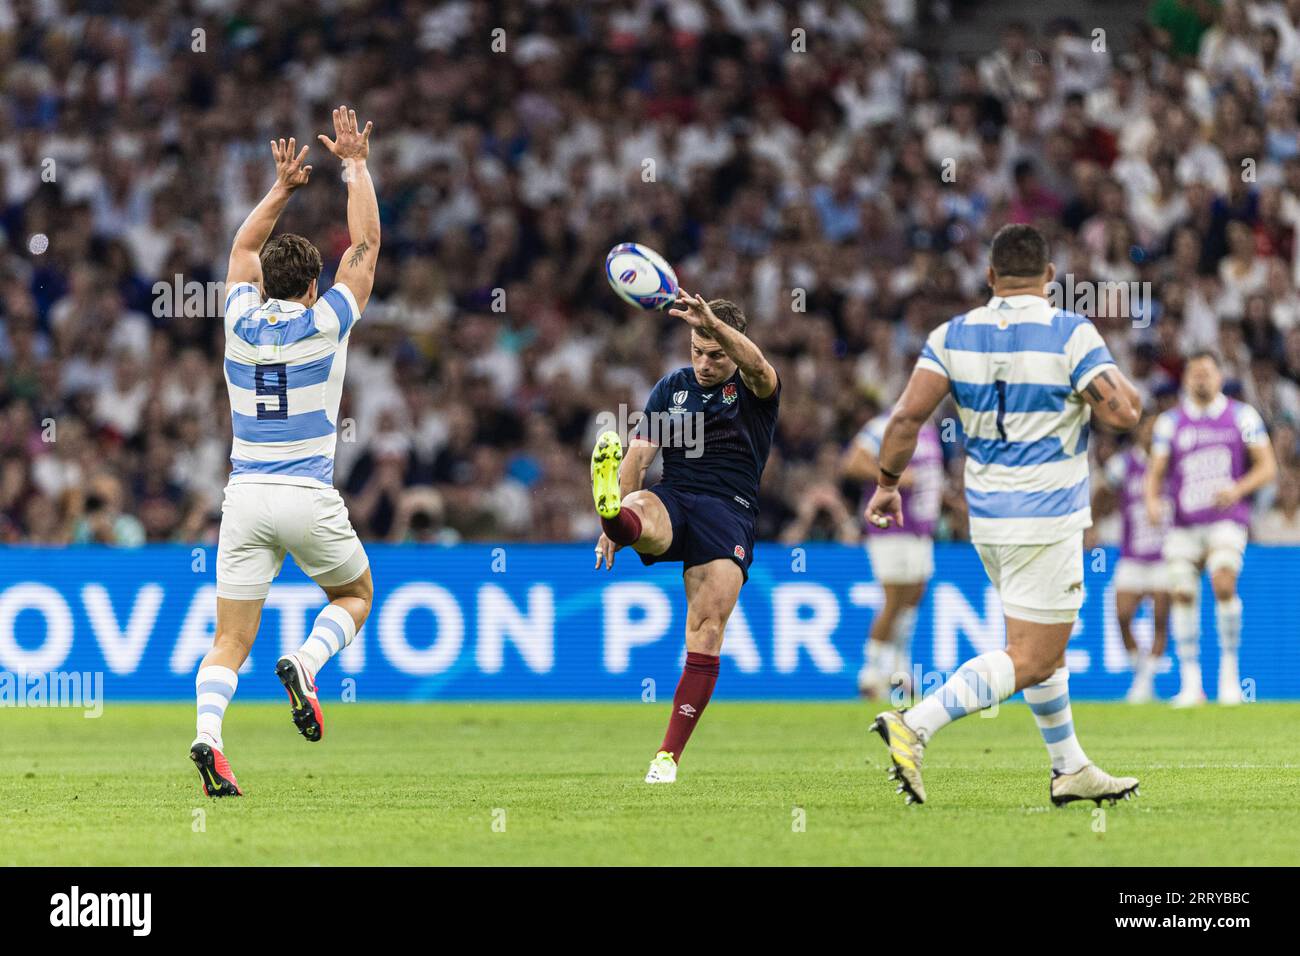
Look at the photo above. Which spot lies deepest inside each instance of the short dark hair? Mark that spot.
(289, 264)
(730, 313)
(1210, 354)
(1018, 250)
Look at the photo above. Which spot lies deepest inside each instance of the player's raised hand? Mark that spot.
(289, 169)
(694, 309)
(348, 141)
(605, 552)
(885, 507)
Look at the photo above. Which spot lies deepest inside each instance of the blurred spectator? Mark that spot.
(1281, 523)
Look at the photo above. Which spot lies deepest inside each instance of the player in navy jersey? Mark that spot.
(714, 421)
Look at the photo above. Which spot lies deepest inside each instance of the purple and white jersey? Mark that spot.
(921, 502)
(1140, 539)
(1207, 449)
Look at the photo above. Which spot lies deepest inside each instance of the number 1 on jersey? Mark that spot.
(1002, 408)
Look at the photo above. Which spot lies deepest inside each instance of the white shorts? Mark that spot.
(1141, 577)
(260, 523)
(901, 558)
(1042, 583)
(1219, 544)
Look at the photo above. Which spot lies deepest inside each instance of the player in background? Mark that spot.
(901, 555)
(704, 511)
(1213, 453)
(1026, 378)
(286, 352)
(1141, 571)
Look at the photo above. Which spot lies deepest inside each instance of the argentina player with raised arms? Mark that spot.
(285, 356)
(1027, 379)
(704, 511)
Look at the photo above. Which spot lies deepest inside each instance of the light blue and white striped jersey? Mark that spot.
(284, 372)
(1015, 368)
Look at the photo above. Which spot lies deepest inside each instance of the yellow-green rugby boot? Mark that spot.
(606, 458)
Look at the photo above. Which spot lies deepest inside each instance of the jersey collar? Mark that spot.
(288, 306)
(1014, 301)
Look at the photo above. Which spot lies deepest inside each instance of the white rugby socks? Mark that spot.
(213, 687)
(333, 630)
(977, 685)
(904, 625)
(1050, 704)
(1227, 616)
(1185, 620)
(878, 657)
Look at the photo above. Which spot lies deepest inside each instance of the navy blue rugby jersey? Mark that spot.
(715, 440)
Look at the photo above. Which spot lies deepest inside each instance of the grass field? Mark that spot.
(506, 784)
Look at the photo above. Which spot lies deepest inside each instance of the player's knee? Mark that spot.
(705, 635)
(1033, 662)
(1224, 584)
(365, 595)
(1224, 564)
(233, 643)
(1183, 580)
(358, 596)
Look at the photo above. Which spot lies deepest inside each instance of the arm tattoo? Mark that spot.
(1095, 393)
(360, 251)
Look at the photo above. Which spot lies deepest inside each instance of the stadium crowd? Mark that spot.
(805, 159)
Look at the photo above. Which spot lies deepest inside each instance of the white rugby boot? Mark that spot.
(1091, 783)
(1229, 683)
(1142, 690)
(663, 769)
(873, 684)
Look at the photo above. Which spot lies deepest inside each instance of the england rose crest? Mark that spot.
(729, 393)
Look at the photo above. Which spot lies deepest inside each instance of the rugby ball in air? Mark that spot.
(640, 276)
